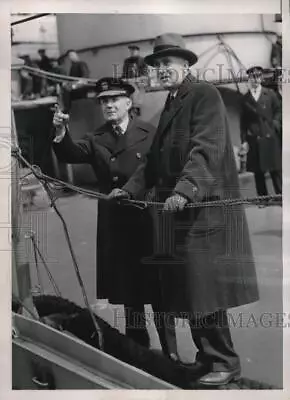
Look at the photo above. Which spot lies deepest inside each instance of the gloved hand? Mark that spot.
(118, 194)
(175, 202)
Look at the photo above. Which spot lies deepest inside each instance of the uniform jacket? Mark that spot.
(205, 255)
(262, 131)
(122, 230)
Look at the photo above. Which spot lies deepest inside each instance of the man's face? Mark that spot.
(115, 108)
(255, 80)
(72, 55)
(134, 52)
(171, 70)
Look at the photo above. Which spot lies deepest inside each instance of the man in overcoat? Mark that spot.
(205, 257)
(115, 150)
(261, 128)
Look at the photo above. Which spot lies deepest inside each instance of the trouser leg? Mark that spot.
(163, 319)
(165, 326)
(212, 338)
(276, 177)
(135, 320)
(260, 183)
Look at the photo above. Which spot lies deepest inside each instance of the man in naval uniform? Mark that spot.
(115, 151)
(261, 127)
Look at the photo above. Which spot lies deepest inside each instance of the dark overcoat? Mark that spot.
(203, 255)
(123, 231)
(262, 131)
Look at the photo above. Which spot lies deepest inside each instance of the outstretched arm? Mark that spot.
(73, 152)
(65, 148)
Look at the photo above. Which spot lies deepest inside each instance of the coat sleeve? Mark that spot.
(243, 122)
(85, 70)
(73, 152)
(208, 131)
(125, 69)
(277, 112)
(144, 178)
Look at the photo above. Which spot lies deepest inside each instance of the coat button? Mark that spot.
(113, 159)
(138, 155)
(115, 178)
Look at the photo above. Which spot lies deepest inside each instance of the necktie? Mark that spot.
(117, 130)
(169, 101)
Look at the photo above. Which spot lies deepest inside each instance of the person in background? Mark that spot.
(78, 68)
(260, 126)
(203, 268)
(76, 90)
(44, 64)
(276, 53)
(280, 98)
(30, 83)
(134, 66)
(115, 151)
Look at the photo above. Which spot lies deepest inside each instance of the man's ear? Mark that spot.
(186, 67)
(129, 103)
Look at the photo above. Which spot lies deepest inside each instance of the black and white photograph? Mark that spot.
(146, 201)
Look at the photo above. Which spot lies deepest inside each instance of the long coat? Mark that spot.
(262, 131)
(122, 231)
(203, 255)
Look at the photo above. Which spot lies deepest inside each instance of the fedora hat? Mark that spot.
(170, 44)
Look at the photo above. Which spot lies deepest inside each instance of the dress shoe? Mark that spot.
(220, 378)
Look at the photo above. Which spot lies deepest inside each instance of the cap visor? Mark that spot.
(109, 93)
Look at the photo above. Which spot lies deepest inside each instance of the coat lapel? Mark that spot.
(135, 133)
(167, 116)
(250, 98)
(263, 94)
(106, 137)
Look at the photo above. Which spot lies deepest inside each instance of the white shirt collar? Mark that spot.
(174, 93)
(256, 93)
(123, 125)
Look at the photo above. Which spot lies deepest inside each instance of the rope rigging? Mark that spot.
(37, 253)
(44, 181)
(222, 47)
(59, 184)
